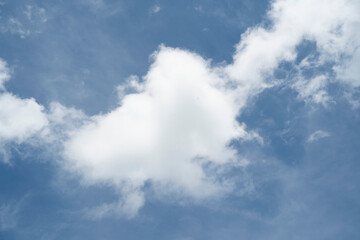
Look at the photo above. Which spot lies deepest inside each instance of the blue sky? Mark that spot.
(179, 120)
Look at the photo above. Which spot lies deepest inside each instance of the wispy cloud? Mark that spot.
(103, 8)
(4, 73)
(155, 9)
(317, 135)
(8, 216)
(313, 89)
(24, 23)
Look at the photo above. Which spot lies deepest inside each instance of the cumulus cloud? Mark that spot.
(62, 121)
(182, 117)
(333, 25)
(24, 118)
(132, 85)
(174, 128)
(19, 118)
(317, 135)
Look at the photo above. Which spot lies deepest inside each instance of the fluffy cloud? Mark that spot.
(182, 119)
(182, 116)
(334, 27)
(174, 127)
(19, 118)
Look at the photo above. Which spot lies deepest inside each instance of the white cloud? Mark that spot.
(182, 119)
(62, 121)
(174, 128)
(332, 24)
(14, 26)
(24, 23)
(155, 9)
(127, 207)
(35, 14)
(317, 135)
(4, 73)
(20, 118)
(313, 89)
(132, 84)
(183, 115)
(349, 71)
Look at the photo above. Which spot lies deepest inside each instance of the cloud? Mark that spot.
(333, 25)
(127, 207)
(155, 9)
(19, 118)
(35, 14)
(8, 216)
(173, 129)
(4, 73)
(62, 121)
(181, 119)
(317, 135)
(24, 23)
(94, 4)
(24, 118)
(132, 85)
(313, 89)
(102, 8)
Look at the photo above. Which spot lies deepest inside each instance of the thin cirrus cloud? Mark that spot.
(8, 216)
(28, 22)
(155, 9)
(176, 128)
(317, 135)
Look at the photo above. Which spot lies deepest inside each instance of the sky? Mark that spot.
(179, 120)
